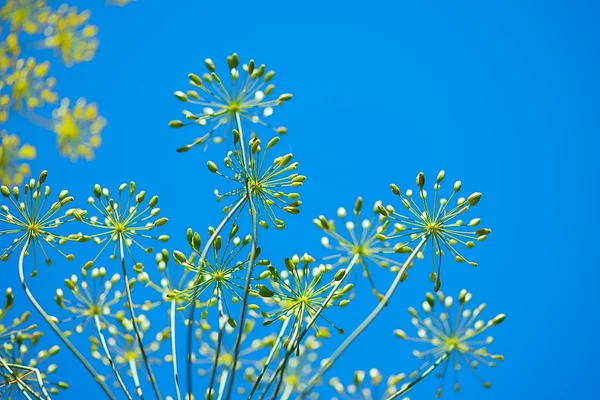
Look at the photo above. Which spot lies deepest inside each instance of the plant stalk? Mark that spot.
(174, 348)
(407, 387)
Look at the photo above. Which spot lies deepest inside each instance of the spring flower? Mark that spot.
(456, 338)
(26, 15)
(31, 225)
(13, 157)
(93, 296)
(267, 183)
(224, 274)
(372, 389)
(438, 223)
(121, 219)
(300, 291)
(77, 129)
(362, 240)
(70, 35)
(28, 84)
(245, 101)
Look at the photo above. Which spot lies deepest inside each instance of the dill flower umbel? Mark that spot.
(26, 15)
(29, 85)
(13, 159)
(268, 182)
(299, 369)
(438, 223)
(360, 389)
(362, 240)
(455, 338)
(77, 129)
(69, 33)
(245, 101)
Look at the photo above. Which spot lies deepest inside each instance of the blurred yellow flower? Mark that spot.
(69, 33)
(24, 15)
(29, 85)
(12, 156)
(78, 129)
(119, 3)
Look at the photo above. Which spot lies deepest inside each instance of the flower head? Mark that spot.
(13, 159)
(16, 325)
(29, 85)
(456, 337)
(439, 223)
(361, 239)
(78, 129)
(245, 100)
(301, 368)
(361, 389)
(268, 182)
(122, 220)
(26, 15)
(300, 290)
(33, 225)
(69, 33)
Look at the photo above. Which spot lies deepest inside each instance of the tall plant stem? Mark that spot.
(205, 251)
(363, 325)
(213, 372)
(174, 347)
(109, 357)
(56, 329)
(134, 323)
(407, 387)
(283, 363)
(23, 387)
(270, 357)
(238, 340)
(136, 378)
(223, 379)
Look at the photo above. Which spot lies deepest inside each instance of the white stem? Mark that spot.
(174, 349)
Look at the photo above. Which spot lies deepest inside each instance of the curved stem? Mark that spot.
(174, 348)
(108, 356)
(57, 330)
(23, 387)
(270, 357)
(407, 387)
(238, 341)
(134, 323)
(136, 378)
(219, 344)
(367, 321)
(205, 251)
(38, 377)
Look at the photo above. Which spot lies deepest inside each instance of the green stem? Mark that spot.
(205, 251)
(134, 323)
(108, 356)
(174, 348)
(286, 322)
(238, 341)
(219, 344)
(338, 352)
(57, 330)
(38, 377)
(407, 387)
(136, 378)
(224, 376)
(23, 387)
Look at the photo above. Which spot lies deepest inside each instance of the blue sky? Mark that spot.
(501, 95)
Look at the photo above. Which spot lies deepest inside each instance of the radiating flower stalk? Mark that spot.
(361, 389)
(438, 225)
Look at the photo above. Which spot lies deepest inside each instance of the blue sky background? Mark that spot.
(502, 95)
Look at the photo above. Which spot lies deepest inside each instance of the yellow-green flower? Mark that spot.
(28, 84)
(455, 339)
(13, 157)
(359, 389)
(69, 34)
(9, 51)
(78, 129)
(119, 3)
(246, 98)
(438, 223)
(25, 15)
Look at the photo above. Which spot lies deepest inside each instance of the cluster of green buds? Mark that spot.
(300, 292)
(16, 326)
(268, 183)
(247, 100)
(31, 224)
(440, 223)
(121, 220)
(360, 240)
(454, 339)
(93, 296)
(362, 389)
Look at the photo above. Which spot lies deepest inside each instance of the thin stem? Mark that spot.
(23, 387)
(286, 322)
(38, 377)
(134, 323)
(219, 344)
(136, 378)
(205, 251)
(287, 392)
(363, 325)
(57, 330)
(109, 357)
(174, 348)
(407, 387)
(223, 379)
(253, 214)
